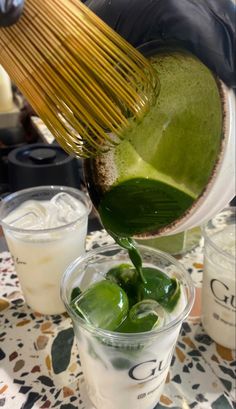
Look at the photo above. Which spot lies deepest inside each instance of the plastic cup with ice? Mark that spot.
(45, 229)
(126, 338)
(219, 281)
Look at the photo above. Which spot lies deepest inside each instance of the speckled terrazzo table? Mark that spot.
(40, 366)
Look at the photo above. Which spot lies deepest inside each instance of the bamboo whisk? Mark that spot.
(82, 78)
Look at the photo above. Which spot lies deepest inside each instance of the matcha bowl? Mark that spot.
(176, 168)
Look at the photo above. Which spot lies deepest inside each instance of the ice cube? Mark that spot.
(30, 215)
(146, 309)
(64, 209)
(106, 314)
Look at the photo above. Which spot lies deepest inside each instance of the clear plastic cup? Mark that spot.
(219, 281)
(41, 253)
(124, 370)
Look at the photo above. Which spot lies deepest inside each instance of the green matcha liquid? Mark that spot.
(164, 163)
(161, 167)
(141, 205)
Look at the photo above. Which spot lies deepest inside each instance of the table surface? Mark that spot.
(40, 365)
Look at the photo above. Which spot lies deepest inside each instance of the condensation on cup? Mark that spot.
(125, 370)
(219, 285)
(45, 229)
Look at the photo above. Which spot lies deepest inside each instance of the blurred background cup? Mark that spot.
(124, 370)
(175, 244)
(219, 285)
(44, 236)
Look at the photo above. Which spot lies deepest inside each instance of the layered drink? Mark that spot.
(125, 336)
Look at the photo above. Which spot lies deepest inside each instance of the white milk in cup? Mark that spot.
(125, 370)
(219, 284)
(45, 229)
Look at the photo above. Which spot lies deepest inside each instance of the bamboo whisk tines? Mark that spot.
(82, 78)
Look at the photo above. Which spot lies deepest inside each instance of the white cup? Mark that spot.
(221, 188)
(219, 281)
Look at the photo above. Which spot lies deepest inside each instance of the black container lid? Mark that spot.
(41, 164)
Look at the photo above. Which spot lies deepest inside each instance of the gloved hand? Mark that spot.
(10, 11)
(204, 27)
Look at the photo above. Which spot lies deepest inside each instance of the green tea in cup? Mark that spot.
(125, 336)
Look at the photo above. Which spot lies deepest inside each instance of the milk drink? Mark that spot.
(218, 290)
(44, 236)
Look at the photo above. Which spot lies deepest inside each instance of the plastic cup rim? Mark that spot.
(128, 336)
(208, 239)
(85, 200)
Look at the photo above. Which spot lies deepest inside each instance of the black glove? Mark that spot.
(10, 11)
(204, 27)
